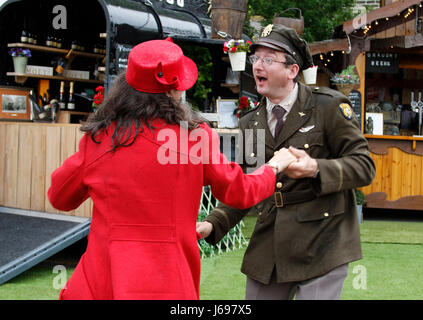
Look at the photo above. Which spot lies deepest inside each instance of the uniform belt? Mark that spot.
(281, 199)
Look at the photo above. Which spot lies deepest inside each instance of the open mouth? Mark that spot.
(260, 79)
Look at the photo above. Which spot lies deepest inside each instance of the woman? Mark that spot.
(145, 173)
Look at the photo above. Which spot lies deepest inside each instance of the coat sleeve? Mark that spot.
(229, 184)
(350, 164)
(67, 190)
(224, 217)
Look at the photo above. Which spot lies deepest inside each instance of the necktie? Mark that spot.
(279, 112)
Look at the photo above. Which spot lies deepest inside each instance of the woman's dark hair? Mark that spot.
(127, 107)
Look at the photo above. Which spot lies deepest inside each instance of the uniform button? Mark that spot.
(255, 123)
(326, 214)
(258, 113)
(260, 213)
(306, 146)
(252, 155)
(279, 185)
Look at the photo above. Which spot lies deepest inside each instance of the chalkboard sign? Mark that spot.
(377, 62)
(355, 97)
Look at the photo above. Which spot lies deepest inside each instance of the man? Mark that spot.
(307, 231)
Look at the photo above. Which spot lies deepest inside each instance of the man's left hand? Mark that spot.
(304, 167)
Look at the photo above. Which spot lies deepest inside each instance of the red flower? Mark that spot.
(100, 89)
(98, 98)
(233, 49)
(243, 103)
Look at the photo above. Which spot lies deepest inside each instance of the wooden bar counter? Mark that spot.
(29, 153)
(399, 173)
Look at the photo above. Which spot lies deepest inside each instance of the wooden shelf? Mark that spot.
(235, 88)
(21, 78)
(410, 138)
(56, 50)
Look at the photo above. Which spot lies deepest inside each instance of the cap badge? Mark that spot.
(267, 30)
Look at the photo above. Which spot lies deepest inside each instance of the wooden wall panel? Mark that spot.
(398, 174)
(2, 162)
(53, 160)
(29, 153)
(11, 165)
(25, 151)
(38, 170)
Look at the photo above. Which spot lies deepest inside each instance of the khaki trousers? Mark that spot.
(326, 287)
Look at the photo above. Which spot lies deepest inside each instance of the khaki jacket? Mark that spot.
(308, 226)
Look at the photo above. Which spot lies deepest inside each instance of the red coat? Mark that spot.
(142, 242)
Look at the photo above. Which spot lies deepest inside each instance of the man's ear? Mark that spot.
(295, 70)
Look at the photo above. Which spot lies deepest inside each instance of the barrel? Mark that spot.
(228, 16)
(294, 23)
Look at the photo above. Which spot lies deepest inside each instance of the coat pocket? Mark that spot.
(321, 208)
(145, 262)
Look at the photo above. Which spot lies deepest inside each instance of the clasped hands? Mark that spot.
(295, 163)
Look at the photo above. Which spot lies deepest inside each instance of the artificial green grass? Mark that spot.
(392, 256)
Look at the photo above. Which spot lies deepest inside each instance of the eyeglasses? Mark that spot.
(267, 61)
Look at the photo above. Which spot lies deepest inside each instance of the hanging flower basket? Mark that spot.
(347, 80)
(347, 88)
(310, 75)
(238, 60)
(237, 51)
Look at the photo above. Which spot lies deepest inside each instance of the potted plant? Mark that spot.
(346, 80)
(359, 200)
(20, 59)
(237, 51)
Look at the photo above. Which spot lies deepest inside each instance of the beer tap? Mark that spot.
(419, 110)
(413, 103)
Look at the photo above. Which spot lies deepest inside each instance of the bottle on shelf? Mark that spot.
(38, 112)
(60, 66)
(30, 38)
(54, 105)
(62, 102)
(24, 36)
(48, 41)
(71, 100)
(74, 45)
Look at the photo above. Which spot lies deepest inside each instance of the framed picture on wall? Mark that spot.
(15, 103)
(225, 109)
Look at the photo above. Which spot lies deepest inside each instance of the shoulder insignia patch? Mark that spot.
(346, 110)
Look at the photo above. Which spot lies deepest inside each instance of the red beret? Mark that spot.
(158, 66)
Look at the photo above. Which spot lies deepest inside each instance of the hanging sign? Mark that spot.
(377, 62)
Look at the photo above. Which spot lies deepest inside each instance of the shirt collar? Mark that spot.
(286, 103)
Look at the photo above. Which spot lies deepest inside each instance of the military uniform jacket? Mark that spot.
(308, 226)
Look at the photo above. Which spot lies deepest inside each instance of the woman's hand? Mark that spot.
(281, 160)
